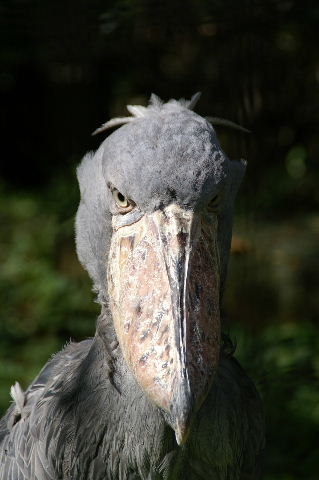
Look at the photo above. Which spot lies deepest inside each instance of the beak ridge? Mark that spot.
(171, 342)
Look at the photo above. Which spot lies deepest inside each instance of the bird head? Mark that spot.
(153, 231)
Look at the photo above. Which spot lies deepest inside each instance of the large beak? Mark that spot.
(163, 281)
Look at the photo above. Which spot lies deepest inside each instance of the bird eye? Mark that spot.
(215, 201)
(120, 199)
(214, 204)
(123, 203)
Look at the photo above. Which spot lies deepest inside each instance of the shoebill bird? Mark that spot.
(157, 393)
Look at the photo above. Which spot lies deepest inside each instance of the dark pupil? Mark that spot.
(120, 197)
(214, 199)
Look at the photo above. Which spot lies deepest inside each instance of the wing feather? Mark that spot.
(26, 434)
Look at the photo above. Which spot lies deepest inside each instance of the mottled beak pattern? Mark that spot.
(163, 281)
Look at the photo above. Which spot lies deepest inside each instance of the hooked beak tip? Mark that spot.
(182, 413)
(182, 430)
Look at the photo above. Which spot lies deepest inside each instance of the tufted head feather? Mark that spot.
(155, 106)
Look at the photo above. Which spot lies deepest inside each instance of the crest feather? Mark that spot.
(137, 110)
(155, 101)
(191, 104)
(114, 122)
(155, 106)
(226, 123)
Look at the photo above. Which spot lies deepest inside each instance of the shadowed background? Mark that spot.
(68, 66)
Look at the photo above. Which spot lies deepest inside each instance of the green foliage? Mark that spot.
(283, 360)
(45, 295)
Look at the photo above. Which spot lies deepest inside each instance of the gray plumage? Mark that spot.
(85, 416)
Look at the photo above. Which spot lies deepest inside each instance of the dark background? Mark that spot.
(68, 66)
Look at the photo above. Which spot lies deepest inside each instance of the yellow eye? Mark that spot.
(120, 199)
